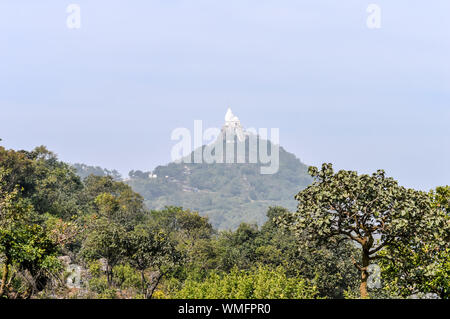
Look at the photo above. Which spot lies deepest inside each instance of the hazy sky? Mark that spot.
(111, 92)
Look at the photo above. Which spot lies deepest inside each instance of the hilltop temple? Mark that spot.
(232, 126)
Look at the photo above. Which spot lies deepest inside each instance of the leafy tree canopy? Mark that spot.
(371, 210)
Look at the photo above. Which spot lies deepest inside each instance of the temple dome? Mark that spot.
(230, 117)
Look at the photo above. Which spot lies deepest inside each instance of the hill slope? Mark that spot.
(227, 193)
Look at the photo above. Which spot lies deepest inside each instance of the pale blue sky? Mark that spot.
(111, 93)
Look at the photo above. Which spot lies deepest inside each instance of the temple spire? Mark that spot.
(233, 126)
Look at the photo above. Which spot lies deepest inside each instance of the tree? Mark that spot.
(149, 248)
(115, 210)
(187, 229)
(189, 224)
(51, 185)
(57, 189)
(17, 171)
(115, 200)
(422, 266)
(372, 211)
(328, 265)
(105, 239)
(27, 251)
(33, 186)
(239, 248)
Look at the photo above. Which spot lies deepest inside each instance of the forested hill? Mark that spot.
(84, 171)
(228, 194)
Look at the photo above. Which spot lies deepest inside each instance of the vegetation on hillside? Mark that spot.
(228, 194)
(66, 237)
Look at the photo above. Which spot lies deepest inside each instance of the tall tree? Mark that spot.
(105, 239)
(371, 210)
(151, 249)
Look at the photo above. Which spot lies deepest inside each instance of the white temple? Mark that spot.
(233, 126)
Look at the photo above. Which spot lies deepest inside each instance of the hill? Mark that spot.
(231, 190)
(228, 194)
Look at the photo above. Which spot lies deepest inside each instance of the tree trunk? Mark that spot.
(108, 275)
(4, 278)
(155, 283)
(364, 274)
(363, 286)
(144, 289)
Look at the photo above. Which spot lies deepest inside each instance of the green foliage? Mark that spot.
(106, 240)
(147, 248)
(57, 189)
(125, 277)
(257, 283)
(372, 211)
(98, 284)
(47, 211)
(228, 194)
(419, 270)
(26, 248)
(422, 266)
(50, 185)
(329, 267)
(84, 171)
(185, 223)
(441, 198)
(113, 200)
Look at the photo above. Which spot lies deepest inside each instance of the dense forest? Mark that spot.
(351, 236)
